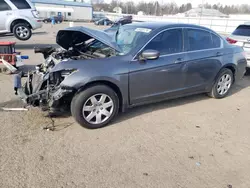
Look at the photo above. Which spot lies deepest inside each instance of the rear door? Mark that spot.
(23, 8)
(241, 37)
(5, 11)
(203, 58)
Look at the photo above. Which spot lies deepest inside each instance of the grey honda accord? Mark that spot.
(96, 74)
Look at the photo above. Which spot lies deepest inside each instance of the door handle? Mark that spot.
(219, 54)
(179, 60)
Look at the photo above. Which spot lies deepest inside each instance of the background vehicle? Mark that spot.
(18, 17)
(58, 19)
(115, 26)
(103, 22)
(98, 76)
(241, 37)
(97, 17)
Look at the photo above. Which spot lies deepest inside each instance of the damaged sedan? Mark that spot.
(96, 75)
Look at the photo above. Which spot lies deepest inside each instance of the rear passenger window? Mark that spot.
(167, 42)
(21, 4)
(242, 30)
(216, 41)
(4, 6)
(199, 40)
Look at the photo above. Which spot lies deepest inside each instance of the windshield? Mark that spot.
(242, 30)
(127, 37)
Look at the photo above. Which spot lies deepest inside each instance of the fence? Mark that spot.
(220, 25)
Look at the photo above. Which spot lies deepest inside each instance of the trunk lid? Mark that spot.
(69, 37)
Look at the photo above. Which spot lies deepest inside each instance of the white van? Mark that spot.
(18, 17)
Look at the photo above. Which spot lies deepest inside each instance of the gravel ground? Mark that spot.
(191, 142)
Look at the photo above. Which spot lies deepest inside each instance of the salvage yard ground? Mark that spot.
(193, 142)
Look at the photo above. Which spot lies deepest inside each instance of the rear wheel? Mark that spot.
(22, 31)
(222, 85)
(95, 107)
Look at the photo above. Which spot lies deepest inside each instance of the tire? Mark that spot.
(46, 21)
(247, 71)
(22, 31)
(95, 112)
(223, 84)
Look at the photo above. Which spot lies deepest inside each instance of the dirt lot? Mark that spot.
(192, 142)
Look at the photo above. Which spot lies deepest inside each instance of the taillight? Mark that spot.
(231, 41)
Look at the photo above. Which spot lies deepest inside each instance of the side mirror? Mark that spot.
(150, 54)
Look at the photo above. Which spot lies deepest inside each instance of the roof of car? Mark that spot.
(157, 25)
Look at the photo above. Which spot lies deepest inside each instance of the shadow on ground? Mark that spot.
(12, 35)
(14, 103)
(137, 111)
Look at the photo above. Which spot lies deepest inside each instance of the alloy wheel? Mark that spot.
(224, 84)
(22, 32)
(98, 108)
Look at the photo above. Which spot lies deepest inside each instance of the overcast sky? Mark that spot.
(195, 3)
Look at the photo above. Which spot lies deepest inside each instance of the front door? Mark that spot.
(153, 80)
(5, 11)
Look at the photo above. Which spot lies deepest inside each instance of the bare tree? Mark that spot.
(154, 7)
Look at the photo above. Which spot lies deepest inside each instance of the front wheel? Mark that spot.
(95, 107)
(222, 85)
(22, 31)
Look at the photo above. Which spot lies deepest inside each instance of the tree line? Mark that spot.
(155, 8)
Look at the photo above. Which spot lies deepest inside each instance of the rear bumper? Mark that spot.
(36, 24)
(248, 63)
(240, 69)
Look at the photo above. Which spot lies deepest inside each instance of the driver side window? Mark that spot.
(167, 42)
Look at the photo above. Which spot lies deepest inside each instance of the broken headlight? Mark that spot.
(55, 78)
(65, 73)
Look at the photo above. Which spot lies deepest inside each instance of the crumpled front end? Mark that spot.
(43, 85)
(43, 90)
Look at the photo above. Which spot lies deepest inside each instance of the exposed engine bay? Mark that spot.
(42, 87)
(90, 50)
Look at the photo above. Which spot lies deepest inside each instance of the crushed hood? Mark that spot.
(68, 37)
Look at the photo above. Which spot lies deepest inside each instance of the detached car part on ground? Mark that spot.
(97, 74)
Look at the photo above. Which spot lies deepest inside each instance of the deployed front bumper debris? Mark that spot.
(38, 92)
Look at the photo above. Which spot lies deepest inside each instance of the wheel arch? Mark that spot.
(20, 20)
(110, 84)
(231, 67)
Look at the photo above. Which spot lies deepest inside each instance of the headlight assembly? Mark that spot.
(67, 72)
